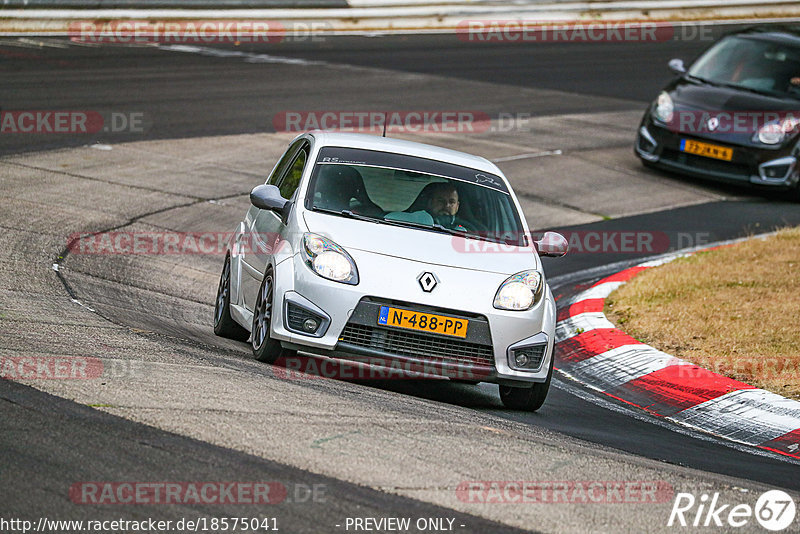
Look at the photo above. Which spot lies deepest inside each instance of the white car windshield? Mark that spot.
(416, 192)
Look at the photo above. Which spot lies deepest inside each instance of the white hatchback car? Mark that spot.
(391, 253)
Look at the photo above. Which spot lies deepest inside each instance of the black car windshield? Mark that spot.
(753, 64)
(475, 205)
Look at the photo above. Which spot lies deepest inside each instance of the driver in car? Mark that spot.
(443, 206)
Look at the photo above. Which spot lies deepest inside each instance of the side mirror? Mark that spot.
(676, 65)
(268, 197)
(552, 245)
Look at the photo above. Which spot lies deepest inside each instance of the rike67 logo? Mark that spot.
(774, 510)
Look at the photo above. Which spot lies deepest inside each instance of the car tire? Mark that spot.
(528, 399)
(795, 194)
(648, 164)
(224, 325)
(265, 348)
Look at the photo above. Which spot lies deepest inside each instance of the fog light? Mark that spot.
(646, 145)
(777, 171)
(304, 321)
(527, 358)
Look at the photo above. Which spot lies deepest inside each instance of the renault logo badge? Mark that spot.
(427, 281)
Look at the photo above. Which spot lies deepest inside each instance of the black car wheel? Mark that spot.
(266, 349)
(224, 325)
(794, 193)
(528, 399)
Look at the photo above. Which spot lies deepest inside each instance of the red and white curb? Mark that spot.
(591, 350)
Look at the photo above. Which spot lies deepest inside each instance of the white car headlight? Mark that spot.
(328, 259)
(664, 108)
(775, 132)
(520, 291)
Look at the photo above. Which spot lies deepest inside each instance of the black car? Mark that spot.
(733, 115)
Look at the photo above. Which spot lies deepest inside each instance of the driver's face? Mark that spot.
(444, 203)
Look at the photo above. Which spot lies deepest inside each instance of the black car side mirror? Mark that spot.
(676, 65)
(268, 197)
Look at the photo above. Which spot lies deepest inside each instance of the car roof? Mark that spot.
(788, 34)
(400, 146)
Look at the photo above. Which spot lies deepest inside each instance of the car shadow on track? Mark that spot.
(436, 388)
(729, 190)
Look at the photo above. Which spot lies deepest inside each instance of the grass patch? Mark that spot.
(101, 405)
(732, 310)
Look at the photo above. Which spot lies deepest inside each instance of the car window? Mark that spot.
(292, 178)
(400, 195)
(285, 161)
(752, 64)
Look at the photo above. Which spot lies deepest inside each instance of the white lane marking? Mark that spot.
(529, 155)
(599, 291)
(583, 322)
(39, 44)
(246, 56)
(751, 416)
(17, 43)
(662, 261)
(79, 42)
(82, 305)
(617, 366)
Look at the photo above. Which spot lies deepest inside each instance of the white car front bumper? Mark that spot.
(349, 327)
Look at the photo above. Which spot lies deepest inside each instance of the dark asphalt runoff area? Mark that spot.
(189, 95)
(48, 443)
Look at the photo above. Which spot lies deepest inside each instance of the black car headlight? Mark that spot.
(664, 108)
(775, 132)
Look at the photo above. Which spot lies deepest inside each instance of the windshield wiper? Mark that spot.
(472, 235)
(732, 86)
(445, 230)
(699, 79)
(435, 226)
(749, 89)
(347, 213)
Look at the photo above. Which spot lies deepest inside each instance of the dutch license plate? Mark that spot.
(425, 322)
(706, 149)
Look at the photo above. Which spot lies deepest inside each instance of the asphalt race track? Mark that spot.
(188, 406)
